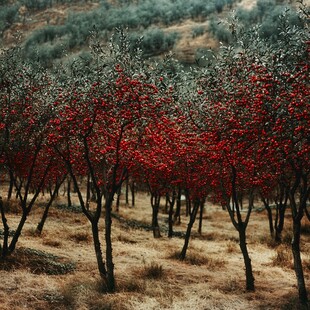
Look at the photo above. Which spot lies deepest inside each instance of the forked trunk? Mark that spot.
(189, 229)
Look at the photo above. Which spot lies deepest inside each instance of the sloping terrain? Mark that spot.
(147, 275)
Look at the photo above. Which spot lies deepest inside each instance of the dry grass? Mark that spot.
(283, 257)
(153, 271)
(232, 247)
(196, 258)
(147, 277)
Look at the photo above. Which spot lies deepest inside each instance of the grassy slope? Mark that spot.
(147, 277)
(185, 48)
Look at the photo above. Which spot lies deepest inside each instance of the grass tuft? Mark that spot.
(153, 271)
(283, 257)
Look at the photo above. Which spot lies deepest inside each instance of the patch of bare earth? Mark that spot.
(57, 269)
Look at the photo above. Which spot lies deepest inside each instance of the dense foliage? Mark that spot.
(235, 129)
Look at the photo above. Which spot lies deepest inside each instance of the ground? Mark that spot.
(57, 269)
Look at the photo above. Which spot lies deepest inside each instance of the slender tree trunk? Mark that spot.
(202, 203)
(155, 201)
(108, 240)
(10, 191)
(269, 216)
(279, 221)
(98, 252)
(302, 291)
(189, 229)
(177, 214)
(188, 204)
(240, 225)
(118, 198)
(6, 229)
(127, 192)
(166, 204)
(247, 261)
(88, 192)
(44, 217)
(69, 193)
(133, 198)
(18, 231)
(47, 207)
(170, 213)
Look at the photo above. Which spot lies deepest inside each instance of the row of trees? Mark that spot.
(235, 129)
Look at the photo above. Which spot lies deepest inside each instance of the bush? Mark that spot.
(153, 271)
(156, 41)
(8, 15)
(35, 5)
(198, 31)
(220, 31)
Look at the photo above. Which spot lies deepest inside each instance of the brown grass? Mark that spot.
(57, 269)
(283, 257)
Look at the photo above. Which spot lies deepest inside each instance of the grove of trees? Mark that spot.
(236, 130)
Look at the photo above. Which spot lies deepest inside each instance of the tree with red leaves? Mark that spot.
(26, 157)
(257, 117)
(96, 132)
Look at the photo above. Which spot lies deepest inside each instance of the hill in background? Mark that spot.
(52, 29)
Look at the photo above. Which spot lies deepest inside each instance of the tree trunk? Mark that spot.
(188, 204)
(177, 214)
(302, 291)
(127, 192)
(98, 252)
(269, 216)
(69, 193)
(6, 229)
(247, 261)
(88, 192)
(133, 198)
(18, 231)
(279, 221)
(189, 229)
(240, 225)
(44, 217)
(118, 198)
(155, 201)
(10, 191)
(108, 241)
(202, 203)
(170, 213)
(45, 213)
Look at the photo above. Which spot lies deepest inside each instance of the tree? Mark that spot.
(25, 111)
(97, 129)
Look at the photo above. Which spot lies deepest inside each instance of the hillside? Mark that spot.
(50, 29)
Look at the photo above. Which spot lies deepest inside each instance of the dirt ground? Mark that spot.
(57, 269)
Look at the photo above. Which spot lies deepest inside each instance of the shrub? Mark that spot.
(153, 271)
(198, 31)
(8, 15)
